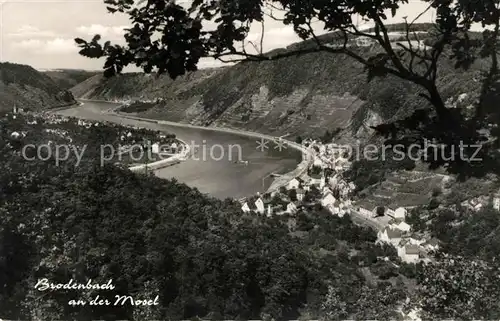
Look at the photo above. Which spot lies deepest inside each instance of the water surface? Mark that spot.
(214, 167)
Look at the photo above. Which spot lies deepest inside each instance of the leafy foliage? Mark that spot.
(459, 288)
(203, 257)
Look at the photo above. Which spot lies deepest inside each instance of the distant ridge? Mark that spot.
(30, 89)
(67, 78)
(303, 95)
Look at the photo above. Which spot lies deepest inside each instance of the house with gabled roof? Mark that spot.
(400, 213)
(409, 253)
(496, 203)
(300, 194)
(293, 184)
(245, 208)
(291, 208)
(269, 210)
(259, 205)
(328, 200)
(400, 225)
(367, 212)
(390, 236)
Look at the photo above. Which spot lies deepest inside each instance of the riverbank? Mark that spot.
(156, 165)
(300, 170)
(174, 159)
(296, 170)
(63, 107)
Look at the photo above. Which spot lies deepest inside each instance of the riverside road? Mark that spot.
(206, 170)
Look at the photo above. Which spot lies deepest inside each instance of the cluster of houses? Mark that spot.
(161, 144)
(334, 194)
(410, 248)
(478, 203)
(332, 191)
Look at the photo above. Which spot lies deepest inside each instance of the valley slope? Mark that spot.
(302, 95)
(67, 78)
(27, 88)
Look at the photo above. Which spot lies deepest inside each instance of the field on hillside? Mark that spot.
(402, 188)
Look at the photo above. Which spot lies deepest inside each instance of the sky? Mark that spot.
(40, 33)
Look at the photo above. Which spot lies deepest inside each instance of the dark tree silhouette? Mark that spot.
(167, 37)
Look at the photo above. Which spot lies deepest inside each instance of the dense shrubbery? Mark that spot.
(202, 256)
(462, 281)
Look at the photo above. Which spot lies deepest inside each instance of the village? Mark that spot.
(325, 184)
(127, 143)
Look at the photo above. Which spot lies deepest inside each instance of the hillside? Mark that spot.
(29, 89)
(67, 78)
(151, 237)
(301, 95)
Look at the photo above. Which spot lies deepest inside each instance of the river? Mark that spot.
(214, 167)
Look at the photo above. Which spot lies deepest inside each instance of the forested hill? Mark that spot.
(67, 78)
(300, 95)
(29, 89)
(152, 237)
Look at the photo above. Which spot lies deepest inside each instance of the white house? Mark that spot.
(293, 184)
(409, 253)
(400, 212)
(259, 204)
(334, 210)
(416, 241)
(269, 211)
(365, 212)
(496, 203)
(400, 225)
(431, 245)
(322, 182)
(390, 236)
(352, 186)
(317, 162)
(300, 194)
(155, 148)
(389, 211)
(15, 135)
(291, 208)
(328, 200)
(332, 181)
(245, 208)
